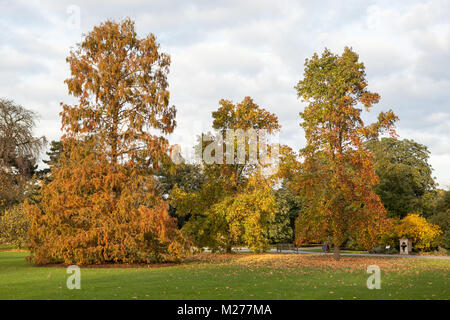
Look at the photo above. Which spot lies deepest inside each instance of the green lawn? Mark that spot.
(7, 246)
(238, 276)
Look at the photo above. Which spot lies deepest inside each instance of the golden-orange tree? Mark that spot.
(338, 171)
(101, 205)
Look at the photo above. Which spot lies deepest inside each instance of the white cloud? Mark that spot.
(233, 49)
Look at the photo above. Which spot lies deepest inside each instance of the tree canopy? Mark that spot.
(405, 183)
(338, 170)
(236, 202)
(121, 83)
(102, 204)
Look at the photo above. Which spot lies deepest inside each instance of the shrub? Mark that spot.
(14, 227)
(423, 234)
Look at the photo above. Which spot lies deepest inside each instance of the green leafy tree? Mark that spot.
(289, 207)
(188, 177)
(441, 217)
(443, 201)
(405, 176)
(53, 154)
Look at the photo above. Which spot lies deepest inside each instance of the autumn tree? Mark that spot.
(235, 203)
(121, 83)
(338, 170)
(102, 204)
(245, 117)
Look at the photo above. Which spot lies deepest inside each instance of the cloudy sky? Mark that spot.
(233, 49)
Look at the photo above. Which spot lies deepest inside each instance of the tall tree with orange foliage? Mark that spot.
(338, 171)
(102, 205)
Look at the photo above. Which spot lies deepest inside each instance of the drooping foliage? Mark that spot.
(338, 176)
(102, 203)
(19, 151)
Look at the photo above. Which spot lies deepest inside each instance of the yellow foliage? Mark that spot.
(14, 226)
(423, 234)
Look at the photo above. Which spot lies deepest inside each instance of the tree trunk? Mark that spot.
(337, 252)
(114, 138)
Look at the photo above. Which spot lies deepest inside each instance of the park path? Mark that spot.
(274, 251)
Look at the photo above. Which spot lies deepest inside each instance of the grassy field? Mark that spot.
(234, 276)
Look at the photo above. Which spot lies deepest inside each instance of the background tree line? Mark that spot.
(112, 194)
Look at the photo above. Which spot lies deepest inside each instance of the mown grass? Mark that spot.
(238, 276)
